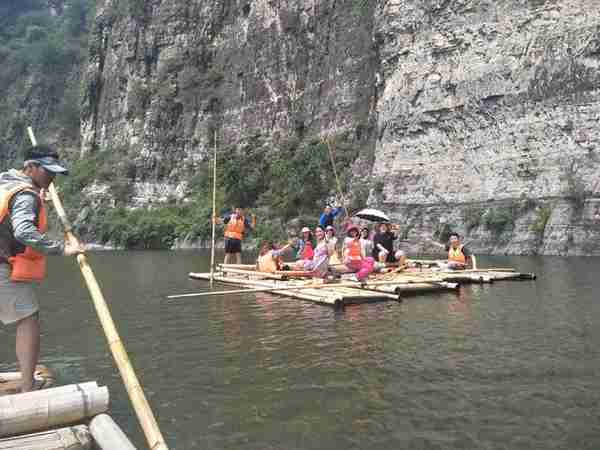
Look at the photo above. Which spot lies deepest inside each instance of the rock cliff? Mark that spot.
(479, 115)
(488, 121)
(164, 76)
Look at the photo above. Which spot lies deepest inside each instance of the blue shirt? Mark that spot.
(327, 219)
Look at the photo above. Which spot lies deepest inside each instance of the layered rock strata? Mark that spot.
(486, 112)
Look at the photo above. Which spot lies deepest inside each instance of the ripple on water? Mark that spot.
(506, 366)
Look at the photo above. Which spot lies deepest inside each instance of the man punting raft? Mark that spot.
(236, 225)
(23, 246)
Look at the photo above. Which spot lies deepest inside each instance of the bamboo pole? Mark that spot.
(132, 384)
(214, 215)
(313, 296)
(238, 266)
(337, 179)
(254, 273)
(270, 289)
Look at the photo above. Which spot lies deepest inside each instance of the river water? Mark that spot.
(514, 365)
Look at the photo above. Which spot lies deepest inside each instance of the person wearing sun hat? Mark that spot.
(353, 254)
(23, 246)
(304, 245)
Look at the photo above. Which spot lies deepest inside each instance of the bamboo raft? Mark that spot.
(71, 417)
(379, 287)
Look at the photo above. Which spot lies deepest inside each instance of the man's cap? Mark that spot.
(305, 230)
(46, 157)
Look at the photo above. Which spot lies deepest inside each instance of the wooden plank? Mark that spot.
(72, 438)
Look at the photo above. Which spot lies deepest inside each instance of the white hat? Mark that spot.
(305, 230)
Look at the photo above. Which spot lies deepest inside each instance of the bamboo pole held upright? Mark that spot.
(337, 179)
(132, 384)
(214, 215)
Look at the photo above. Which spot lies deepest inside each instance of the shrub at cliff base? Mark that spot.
(279, 182)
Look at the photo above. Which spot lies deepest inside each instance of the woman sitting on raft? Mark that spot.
(269, 257)
(304, 245)
(354, 259)
(332, 242)
(318, 265)
(366, 244)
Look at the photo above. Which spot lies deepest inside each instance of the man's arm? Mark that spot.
(322, 218)
(469, 257)
(249, 223)
(22, 217)
(282, 250)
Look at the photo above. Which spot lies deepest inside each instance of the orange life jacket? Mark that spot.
(354, 250)
(457, 255)
(31, 264)
(307, 251)
(235, 228)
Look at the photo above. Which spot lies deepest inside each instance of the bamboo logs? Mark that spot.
(107, 434)
(312, 295)
(238, 266)
(41, 410)
(255, 274)
(73, 438)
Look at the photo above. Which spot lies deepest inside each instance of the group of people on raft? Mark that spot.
(316, 251)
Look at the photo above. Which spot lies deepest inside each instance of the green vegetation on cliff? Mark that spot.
(278, 181)
(41, 52)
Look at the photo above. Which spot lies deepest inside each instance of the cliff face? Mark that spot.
(483, 114)
(161, 82)
(488, 122)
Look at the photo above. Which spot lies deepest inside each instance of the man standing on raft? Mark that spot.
(236, 224)
(23, 246)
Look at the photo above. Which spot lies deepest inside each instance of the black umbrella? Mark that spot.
(374, 215)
